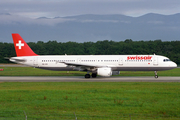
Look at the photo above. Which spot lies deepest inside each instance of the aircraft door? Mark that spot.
(120, 61)
(79, 60)
(35, 62)
(155, 60)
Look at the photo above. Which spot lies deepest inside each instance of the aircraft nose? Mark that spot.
(173, 64)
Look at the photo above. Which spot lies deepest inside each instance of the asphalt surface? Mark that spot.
(82, 79)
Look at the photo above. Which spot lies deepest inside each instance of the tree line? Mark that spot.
(170, 49)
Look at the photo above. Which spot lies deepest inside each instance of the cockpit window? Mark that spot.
(166, 60)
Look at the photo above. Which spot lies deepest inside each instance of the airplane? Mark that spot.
(102, 65)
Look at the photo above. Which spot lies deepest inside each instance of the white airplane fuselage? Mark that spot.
(115, 62)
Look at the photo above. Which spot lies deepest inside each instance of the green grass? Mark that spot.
(90, 100)
(29, 71)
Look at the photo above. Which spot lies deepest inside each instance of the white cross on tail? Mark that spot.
(19, 44)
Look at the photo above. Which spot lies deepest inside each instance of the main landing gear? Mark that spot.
(87, 76)
(94, 75)
(156, 76)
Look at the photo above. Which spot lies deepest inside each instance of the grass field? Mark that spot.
(29, 71)
(90, 100)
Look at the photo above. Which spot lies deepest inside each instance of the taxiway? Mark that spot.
(82, 79)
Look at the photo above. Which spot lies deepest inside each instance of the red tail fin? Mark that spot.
(22, 49)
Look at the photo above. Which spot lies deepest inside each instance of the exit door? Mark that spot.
(79, 60)
(35, 62)
(155, 60)
(120, 61)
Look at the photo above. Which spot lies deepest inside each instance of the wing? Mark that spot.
(83, 67)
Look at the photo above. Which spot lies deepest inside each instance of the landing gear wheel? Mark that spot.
(156, 76)
(87, 76)
(94, 75)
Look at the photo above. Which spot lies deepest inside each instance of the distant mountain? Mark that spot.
(83, 28)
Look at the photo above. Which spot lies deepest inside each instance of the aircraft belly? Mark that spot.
(57, 68)
(113, 68)
(141, 68)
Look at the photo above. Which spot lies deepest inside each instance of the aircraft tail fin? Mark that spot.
(21, 47)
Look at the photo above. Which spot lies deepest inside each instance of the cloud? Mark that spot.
(155, 22)
(16, 19)
(52, 8)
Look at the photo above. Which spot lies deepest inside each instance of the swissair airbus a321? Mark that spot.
(103, 65)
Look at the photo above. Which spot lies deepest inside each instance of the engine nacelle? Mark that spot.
(115, 72)
(104, 71)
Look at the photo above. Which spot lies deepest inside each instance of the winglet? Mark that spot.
(21, 47)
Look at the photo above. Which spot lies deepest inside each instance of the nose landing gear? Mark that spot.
(156, 76)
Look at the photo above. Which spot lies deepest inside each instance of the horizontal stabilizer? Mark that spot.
(17, 60)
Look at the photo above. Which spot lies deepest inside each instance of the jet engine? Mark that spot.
(104, 71)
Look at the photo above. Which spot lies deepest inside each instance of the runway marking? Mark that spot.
(82, 79)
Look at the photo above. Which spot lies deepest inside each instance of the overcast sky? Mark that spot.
(62, 8)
